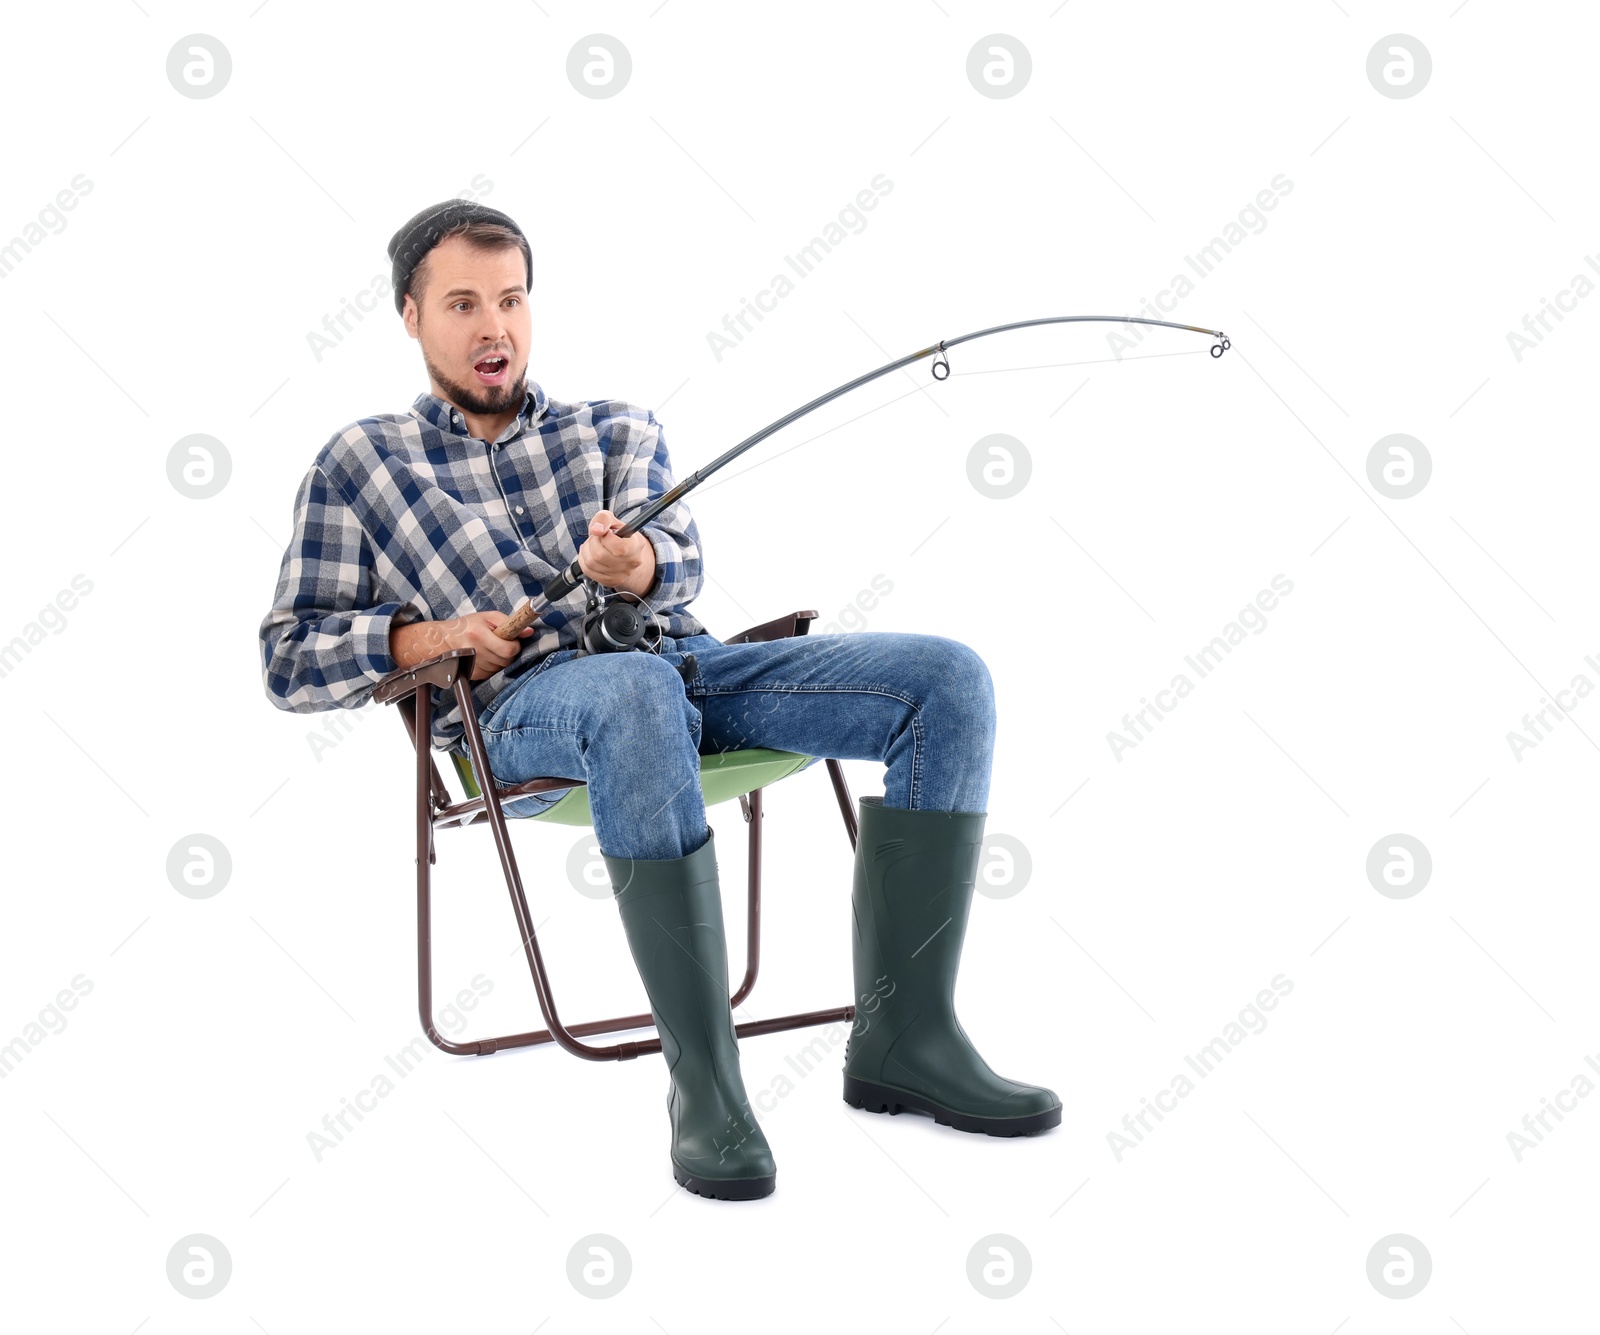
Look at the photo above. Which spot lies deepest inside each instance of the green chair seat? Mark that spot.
(723, 777)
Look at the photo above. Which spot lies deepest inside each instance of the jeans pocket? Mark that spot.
(487, 718)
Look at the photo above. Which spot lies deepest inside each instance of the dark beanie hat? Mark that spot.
(417, 237)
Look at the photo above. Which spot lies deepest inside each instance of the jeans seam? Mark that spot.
(916, 758)
(527, 727)
(917, 743)
(830, 689)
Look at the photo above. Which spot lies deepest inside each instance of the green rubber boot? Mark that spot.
(672, 913)
(907, 1050)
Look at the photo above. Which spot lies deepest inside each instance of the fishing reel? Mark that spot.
(620, 620)
(616, 619)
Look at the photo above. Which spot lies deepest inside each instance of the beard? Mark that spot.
(480, 400)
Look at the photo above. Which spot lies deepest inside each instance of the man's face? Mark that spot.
(473, 323)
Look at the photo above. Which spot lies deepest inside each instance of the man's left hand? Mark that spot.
(617, 563)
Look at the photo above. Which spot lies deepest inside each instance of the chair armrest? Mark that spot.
(439, 671)
(796, 623)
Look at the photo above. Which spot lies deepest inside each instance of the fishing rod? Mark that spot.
(573, 576)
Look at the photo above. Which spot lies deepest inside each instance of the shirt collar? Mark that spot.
(431, 408)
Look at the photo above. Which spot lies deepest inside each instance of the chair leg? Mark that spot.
(566, 1036)
(847, 807)
(519, 903)
(752, 816)
(752, 936)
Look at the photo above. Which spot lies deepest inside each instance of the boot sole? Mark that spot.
(873, 1098)
(725, 1189)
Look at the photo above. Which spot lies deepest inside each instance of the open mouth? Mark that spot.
(492, 370)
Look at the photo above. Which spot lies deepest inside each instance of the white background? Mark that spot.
(1167, 886)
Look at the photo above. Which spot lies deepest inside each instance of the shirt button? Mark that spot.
(519, 509)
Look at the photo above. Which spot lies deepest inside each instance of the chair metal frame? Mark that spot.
(437, 808)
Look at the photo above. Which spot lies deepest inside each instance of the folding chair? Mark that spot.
(741, 773)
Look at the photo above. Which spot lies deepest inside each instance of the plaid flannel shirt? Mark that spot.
(408, 517)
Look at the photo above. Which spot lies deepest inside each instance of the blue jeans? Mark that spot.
(632, 729)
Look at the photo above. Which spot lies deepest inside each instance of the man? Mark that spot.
(418, 532)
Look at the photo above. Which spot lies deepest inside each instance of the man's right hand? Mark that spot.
(422, 640)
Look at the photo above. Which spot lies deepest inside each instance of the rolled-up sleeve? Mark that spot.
(646, 474)
(323, 644)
